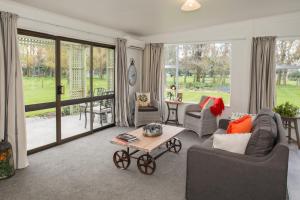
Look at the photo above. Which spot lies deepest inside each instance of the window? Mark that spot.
(197, 70)
(103, 70)
(37, 58)
(288, 71)
(75, 70)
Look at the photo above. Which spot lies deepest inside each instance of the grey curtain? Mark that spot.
(262, 92)
(152, 71)
(122, 106)
(11, 77)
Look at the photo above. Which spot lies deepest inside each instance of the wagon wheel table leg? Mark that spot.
(121, 159)
(174, 145)
(146, 164)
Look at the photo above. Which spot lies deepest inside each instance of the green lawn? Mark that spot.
(194, 96)
(290, 93)
(42, 90)
(198, 89)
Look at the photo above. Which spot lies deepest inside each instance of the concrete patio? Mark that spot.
(42, 130)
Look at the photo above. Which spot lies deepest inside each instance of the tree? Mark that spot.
(99, 61)
(288, 53)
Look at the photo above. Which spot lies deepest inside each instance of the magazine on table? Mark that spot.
(127, 137)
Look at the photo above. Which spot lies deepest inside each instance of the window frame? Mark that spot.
(61, 103)
(294, 38)
(176, 66)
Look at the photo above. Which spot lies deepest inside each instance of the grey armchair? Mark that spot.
(200, 121)
(146, 115)
(214, 174)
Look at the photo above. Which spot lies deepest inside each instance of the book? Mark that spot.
(127, 137)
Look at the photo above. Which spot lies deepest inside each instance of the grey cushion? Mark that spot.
(224, 123)
(194, 114)
(148, 109)
(264, 134)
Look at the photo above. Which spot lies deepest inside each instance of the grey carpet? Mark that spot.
(83, 169)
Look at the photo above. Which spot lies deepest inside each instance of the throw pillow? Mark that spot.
(241, 125)
(235, 143)
(143, 99)
(207, 103)
(264, 134)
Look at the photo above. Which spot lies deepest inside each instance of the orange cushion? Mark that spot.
(241, 125)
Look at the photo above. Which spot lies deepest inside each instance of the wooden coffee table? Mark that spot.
(146, 161)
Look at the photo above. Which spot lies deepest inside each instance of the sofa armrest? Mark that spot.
(224, 123)
(192, 108)
(216, 174)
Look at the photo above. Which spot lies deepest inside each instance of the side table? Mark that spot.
(292, 123)
(172, 107)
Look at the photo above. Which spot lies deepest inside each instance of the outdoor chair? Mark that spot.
(102, 107)
(200, 121)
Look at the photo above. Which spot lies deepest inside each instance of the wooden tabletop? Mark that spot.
(173, 102)
(290, 118)
(148, 144)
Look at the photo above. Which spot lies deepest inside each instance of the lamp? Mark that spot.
(190, 5)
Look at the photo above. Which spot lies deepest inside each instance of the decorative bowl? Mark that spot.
(152, 130)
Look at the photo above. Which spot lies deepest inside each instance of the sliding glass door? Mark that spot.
(68, 88)
(103, 84)
(75, 76)
(37, 57)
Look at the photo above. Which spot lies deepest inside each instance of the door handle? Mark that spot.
(60, 90)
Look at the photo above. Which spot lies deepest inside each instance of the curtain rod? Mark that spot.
(206, 41)
(233, 39)
(61, 26)
(289, 37)
(135, 48)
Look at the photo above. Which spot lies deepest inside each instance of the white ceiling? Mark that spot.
(148, 17)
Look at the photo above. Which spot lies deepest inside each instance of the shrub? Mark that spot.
(287, 109)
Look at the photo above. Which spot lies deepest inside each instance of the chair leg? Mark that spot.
(79, 113)
(105, 117)
(100, 119)
(85, 116)
(289, 131)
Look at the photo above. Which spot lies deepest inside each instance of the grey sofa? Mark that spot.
(214, 174)
(200, 121)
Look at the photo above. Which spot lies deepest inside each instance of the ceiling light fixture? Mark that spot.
(190, 5)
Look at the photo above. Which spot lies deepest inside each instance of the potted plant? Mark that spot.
(287, 109)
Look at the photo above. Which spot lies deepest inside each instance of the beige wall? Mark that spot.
(137, 55)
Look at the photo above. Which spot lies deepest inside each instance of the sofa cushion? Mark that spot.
(235, 143)
(143, 99)
(194, 114)
(148, 109)
(264, 134)
(240, 125)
